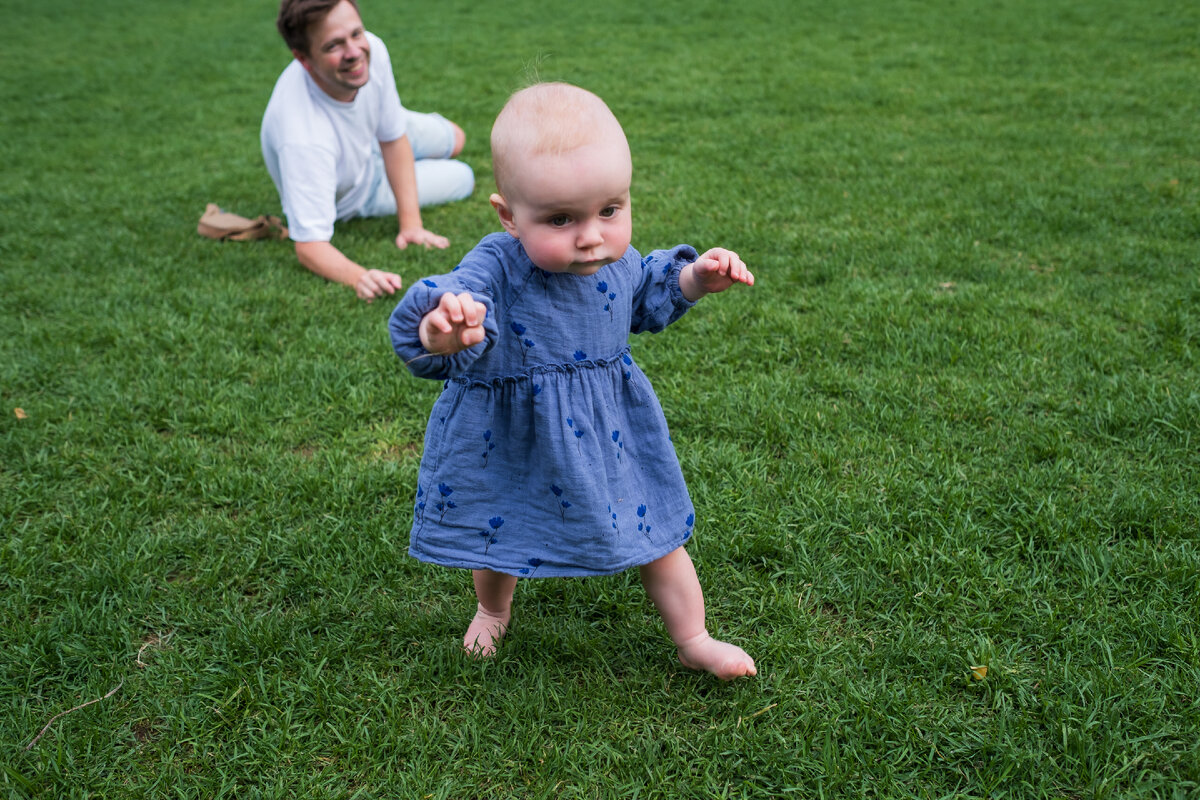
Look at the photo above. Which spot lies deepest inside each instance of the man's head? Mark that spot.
(563, 172)
(327, 37)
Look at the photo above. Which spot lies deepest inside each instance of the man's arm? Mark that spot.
(327, 261)
(399, 165)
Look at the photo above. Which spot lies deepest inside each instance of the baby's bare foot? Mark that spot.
(726, 661)
(485, 632)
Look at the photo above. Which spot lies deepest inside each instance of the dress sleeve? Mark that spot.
(659, 301)
(403, 326)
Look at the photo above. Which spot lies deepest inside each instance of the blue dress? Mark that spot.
(547, 453)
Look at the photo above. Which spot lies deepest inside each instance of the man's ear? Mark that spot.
(303, 59)
(505, 213)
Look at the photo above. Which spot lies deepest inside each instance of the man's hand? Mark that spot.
(454, 325)
(421, 236)
(376, 283)
(715, 271)
(327, 261)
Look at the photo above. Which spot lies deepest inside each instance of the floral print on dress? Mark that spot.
(578, 433)
(563, 505)
(643, 526)
(489, 445)
(489, 537)
(526, 344)
(445, 504)
(602, 287)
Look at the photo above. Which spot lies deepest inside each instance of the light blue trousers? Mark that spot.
(440, 179)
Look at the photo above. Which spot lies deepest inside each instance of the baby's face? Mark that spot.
(572, 211)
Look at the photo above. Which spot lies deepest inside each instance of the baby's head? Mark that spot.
(563, 172)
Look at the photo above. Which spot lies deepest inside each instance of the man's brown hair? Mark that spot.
(296, 18)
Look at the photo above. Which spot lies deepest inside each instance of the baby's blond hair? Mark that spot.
(547, 118)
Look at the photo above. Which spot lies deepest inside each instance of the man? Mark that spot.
(338, 143)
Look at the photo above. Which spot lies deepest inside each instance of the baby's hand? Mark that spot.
(454, 325)
(715, 271)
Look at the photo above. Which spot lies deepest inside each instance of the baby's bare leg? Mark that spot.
(675, 590)
(494, 591)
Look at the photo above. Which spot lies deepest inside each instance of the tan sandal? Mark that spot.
(224, 225)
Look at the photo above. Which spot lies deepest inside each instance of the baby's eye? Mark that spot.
(611, 211)
(558, 220)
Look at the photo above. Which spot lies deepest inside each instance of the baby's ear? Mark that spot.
(505, 213)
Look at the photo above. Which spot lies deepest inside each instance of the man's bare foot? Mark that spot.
(485, 632)
(726, 661)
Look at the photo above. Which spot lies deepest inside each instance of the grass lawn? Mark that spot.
(945, 455)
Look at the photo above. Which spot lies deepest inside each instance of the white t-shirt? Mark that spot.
(319, 150)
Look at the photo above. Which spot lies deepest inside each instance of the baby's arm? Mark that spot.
(454, 325)
(715, 271)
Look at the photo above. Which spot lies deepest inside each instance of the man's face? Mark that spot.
(339, 56)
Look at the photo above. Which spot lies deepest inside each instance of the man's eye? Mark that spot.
(559, 220)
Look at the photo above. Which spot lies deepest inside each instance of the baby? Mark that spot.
(547, 453)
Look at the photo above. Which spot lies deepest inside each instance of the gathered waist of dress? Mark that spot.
(621, 359)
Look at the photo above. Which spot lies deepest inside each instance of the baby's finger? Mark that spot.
(472, 310)
(471, 336)
(438, 319)
(737, 269)
(451, 306)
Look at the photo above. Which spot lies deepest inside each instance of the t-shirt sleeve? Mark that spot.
(392, 119)
(308, 192)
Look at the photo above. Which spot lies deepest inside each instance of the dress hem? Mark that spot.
(545, 570)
